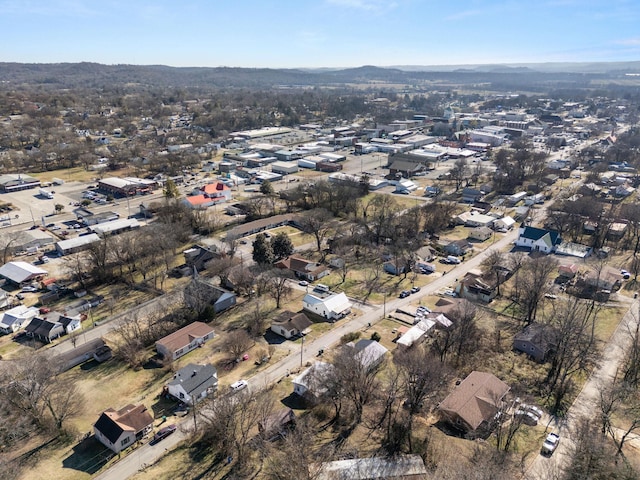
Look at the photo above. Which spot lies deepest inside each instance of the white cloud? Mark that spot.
(631, 42)
(367, 5)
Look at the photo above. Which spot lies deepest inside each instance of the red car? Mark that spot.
(44, 310)
(164, 432)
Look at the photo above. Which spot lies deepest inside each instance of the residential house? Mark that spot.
(20, 273)
(80, 354)
(211, 194)
(426, 254)
(303, 268)
(193, 383)
(332, 306)
(457, 247)
(615, 232)
(44, 330)
(289, 324)
(395, 268)
(415, 333)
(182, 341)
(312, 382)
(277, 424)
(567, 272)
(480, 234)
(536, 340)
(120, 429)
(471, 195)
(538, 239)
(503, 224)
(400, 467)
(201, 292)
(476, 287)
(608, 278)
(474, 402)
(198, 255)
(369, 353)
(16, 318)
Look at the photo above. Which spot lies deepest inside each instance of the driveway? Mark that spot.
(586, 403)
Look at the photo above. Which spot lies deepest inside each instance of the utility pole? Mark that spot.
(301, 350)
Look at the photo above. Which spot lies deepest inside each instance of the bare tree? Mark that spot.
(357, 378)
(317, 223)
(238, 342)
(574, 350)
(533, 284)
(278, 285)
(297, 456)
(229, 421)
(462, 337)
(33, 387)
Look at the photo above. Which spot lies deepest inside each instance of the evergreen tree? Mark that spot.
(281, 245)
(262, 251)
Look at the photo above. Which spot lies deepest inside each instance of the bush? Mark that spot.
(375, 336)
(350, 337)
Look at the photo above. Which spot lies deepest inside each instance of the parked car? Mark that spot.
(239, 385)
(527, 418)
(415, 289)
(550, 444)
(533, 409)
(625, 274)
(164, 432)
(29, 289)
(405, 293)
(44, 310)
(303, 283)
(19, 296)
(451, 293)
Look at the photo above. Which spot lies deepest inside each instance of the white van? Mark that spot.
(453, 260)
(321, 288)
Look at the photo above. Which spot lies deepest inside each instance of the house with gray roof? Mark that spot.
(536, 340)
(193, 383)
(20, 273)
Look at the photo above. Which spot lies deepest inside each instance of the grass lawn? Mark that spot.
(76, 174)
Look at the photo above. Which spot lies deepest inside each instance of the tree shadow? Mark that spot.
(88, 456)
(294, 402)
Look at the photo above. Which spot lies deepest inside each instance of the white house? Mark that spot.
(504, 223)
(415, 333)
(289, 324)
(368, 352)
(538, 239)
(193, 383)
(332, 307)
(16, 318)
(120, 429)
(310, 384)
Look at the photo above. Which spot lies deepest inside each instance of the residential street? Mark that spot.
(586, 404)
(148, 454)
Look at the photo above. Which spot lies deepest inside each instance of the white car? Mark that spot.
(451, 293)
(533, 409)
(303, 283)
(239, 385)
(527, 418)
(550, 444)
(29, 289)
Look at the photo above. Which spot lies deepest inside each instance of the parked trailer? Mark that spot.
(45, 193)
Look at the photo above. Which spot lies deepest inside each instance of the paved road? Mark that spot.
(586, 404)
(144, 309)
(148, 454)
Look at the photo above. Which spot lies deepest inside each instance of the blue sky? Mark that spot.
(318, 33)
